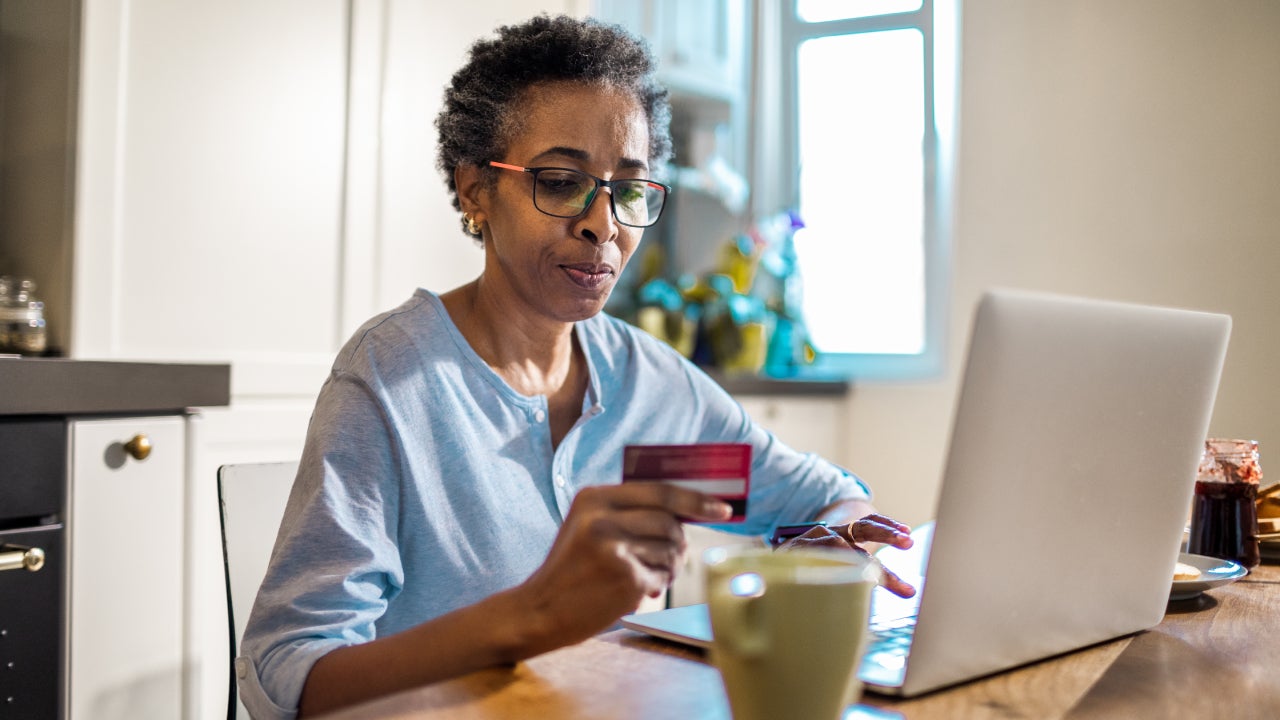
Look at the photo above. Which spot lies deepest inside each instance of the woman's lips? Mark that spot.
(588, 276)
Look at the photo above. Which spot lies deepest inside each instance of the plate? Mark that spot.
(1213, 573)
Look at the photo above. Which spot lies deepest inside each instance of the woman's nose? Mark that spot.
(597, 224)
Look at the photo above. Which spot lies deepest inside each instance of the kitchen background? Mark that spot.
(248, 180)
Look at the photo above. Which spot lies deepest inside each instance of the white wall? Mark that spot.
(1124, 150)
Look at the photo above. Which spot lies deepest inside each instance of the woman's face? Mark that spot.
(563, 268)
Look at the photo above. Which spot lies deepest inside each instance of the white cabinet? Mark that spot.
(208, 218)
(126, 585)
(698, 43)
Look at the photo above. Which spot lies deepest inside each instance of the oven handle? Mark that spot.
(13, 557)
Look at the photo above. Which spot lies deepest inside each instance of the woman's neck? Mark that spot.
(534, 356)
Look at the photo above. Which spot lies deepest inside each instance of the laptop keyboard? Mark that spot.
(891, 636)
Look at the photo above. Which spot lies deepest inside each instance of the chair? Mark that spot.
(251, 500)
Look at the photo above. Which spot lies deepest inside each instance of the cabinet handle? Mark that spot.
(13, 557)
(139, 448)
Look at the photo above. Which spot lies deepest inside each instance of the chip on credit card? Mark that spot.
(719, 469)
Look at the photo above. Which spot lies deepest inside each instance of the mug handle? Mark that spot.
(738, 615)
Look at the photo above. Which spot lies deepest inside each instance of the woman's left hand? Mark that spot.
(871, 530)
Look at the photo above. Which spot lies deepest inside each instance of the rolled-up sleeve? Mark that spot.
(336, 564)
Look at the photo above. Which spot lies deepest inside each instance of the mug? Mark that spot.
(789, 629)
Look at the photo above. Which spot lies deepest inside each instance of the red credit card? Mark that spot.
(719, 469)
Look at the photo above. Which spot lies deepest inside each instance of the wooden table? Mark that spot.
(1214, 656)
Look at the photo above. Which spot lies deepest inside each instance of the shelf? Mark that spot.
(799, 386)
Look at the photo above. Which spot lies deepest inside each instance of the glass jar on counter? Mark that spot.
(7, 312)
(22, 323)
(1224, 512)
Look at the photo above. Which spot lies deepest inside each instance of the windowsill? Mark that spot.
(799, 385)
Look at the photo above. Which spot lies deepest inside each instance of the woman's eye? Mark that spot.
(629, 193)
(560, 184)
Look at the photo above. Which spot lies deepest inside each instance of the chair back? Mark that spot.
(251, 500)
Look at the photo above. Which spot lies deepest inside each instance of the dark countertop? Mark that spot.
(59, 386)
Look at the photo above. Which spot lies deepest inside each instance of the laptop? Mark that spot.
(1067, 484)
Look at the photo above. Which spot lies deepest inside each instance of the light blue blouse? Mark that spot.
(428, 484)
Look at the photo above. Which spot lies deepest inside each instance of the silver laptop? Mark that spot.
(1068, 479)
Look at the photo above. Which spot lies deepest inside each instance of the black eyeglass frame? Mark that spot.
(600, 182)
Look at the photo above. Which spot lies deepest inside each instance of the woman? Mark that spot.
(457, 504)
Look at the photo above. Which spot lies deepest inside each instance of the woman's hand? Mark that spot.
(856, 536)
(618, 544)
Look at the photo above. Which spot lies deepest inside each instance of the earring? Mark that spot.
(472, 227)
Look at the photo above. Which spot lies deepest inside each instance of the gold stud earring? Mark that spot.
(472, 227)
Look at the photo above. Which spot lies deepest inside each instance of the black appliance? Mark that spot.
(33, 570)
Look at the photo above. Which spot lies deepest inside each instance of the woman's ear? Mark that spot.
(471, 190)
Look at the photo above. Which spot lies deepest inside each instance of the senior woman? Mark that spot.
(458, 503)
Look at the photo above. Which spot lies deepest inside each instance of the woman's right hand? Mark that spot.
(618, 544)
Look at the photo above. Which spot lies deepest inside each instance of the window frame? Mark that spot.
(936, 21)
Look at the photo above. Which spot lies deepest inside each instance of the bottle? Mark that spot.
(1224, 511)
(7, 312)
(27, 335)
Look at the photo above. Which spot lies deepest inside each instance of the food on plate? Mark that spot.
(1269, 501)
(1183, 571)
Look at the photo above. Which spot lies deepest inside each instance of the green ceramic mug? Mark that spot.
(789, 629)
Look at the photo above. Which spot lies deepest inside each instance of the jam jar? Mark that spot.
(1224, 511)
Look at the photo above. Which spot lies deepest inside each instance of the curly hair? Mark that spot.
(477, 119)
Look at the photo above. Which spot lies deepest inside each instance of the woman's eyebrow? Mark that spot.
(568, 152)
(583, 156)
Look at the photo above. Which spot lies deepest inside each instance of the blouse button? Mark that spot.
(559, 481)
(539, 416)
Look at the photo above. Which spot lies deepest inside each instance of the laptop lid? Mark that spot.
(1068, 480)
(1078, 429)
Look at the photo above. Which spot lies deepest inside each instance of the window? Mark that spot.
(865, 159)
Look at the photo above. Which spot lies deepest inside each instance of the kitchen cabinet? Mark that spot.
(126, 609)
(173, 179)
(703, 53)
(699, 44)
(97, 472)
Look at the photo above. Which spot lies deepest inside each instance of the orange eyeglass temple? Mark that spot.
(517, 168)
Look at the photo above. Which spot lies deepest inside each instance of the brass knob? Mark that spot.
(13, 557)
(139, 448)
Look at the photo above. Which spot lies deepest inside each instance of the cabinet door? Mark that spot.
(126, 588)
(209, 198)
(700, 45)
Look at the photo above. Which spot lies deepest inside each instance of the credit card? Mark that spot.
(719, 469)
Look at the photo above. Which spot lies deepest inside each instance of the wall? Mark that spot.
(1118, 150)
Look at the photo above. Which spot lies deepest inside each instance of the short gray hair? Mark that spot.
(475, 124)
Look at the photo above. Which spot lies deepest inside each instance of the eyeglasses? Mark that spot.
(565, 193)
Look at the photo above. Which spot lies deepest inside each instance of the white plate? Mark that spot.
(1213, 573)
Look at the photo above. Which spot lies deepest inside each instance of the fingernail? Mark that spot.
(721, 509)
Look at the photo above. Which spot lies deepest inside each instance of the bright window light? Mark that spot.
(861, 139)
